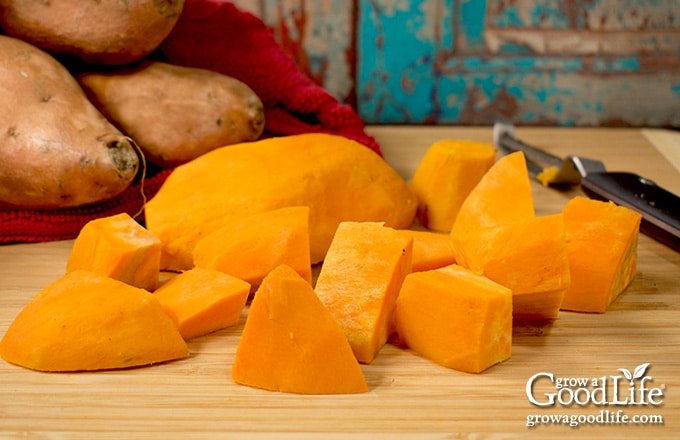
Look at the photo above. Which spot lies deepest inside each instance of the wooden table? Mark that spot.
(409, 397)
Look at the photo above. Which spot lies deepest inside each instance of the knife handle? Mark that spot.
(660, 208)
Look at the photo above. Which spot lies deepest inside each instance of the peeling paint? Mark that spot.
(319, 35)
(588, 62)
(578, 62)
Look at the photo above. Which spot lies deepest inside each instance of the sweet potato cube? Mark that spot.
(290, 342)
(86, 321)
(359, 282)
(118, 247)
(529, 257)
(602, 244)
(456, 318)
(449, 170)
(201, 301)
(431, 250)
(502, 195)
(250, 247)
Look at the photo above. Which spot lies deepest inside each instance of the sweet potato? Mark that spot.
(339, 179)
(58, 150)
(502, 195)
(85, 321)
(456, 318)
(359, 282)
(250, 247)
(201, 301)
(176, 113)
(527, 256)
(431, 250)
(97, 32)
(290, 343)
(602, 243)
(118, 247)
(445, 176)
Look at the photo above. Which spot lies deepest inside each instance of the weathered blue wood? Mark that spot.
(318, 35)
(566, 62)
(396, 53)
(543, 62)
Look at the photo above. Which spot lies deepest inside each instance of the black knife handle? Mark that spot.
(660, 208)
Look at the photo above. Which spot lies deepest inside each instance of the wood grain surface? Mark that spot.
(409, 396)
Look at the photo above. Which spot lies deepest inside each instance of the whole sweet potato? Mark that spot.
(57, 149)
(99, 32)
(176, 113)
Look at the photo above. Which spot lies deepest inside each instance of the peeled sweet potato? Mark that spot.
(290, 343)
(360, 280)
(176, 113)
(602, 243)
(445, 176)
(201, 301)
(118, 247)
(97, 32)
(85, 321)
(250, 247)
(58, 150)
(431, 250)
(502, 195)
(337, 178)
(456, 318)
(527, 256)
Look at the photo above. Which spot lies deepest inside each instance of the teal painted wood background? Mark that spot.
(546, 62)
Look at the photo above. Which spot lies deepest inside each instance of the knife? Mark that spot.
(660, 208)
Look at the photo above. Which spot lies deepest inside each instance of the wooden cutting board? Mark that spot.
(409, 396)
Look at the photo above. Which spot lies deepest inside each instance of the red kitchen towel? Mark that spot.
(215, 35)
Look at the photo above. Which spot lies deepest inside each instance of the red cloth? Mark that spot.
(214, 35)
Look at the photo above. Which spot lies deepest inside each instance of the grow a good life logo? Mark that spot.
(611, 395)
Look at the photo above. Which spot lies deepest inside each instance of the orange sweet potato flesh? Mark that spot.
(201, 301)
(456, 318)
(502, 195)
(602, 244)
(290, 342)
(250, 247)
(118, 247)
(339, 179)
(445, 176)
(529, 257)
(359, 282)
(85, 321)
(431, 250)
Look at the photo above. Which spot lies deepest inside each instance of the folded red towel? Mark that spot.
(214, 35)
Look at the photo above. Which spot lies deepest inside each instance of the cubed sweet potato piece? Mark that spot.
(456, 318)
(118, 247)
(201, 301)
(529, 257)
(251, 246)
(86, 321)
(445, 176)
(359, 282)
(290, 342)
(602, 244)
(431, 250)
(502, 195)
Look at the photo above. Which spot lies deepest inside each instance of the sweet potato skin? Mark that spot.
(58, 150)
(176, 113)
(98, 32)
